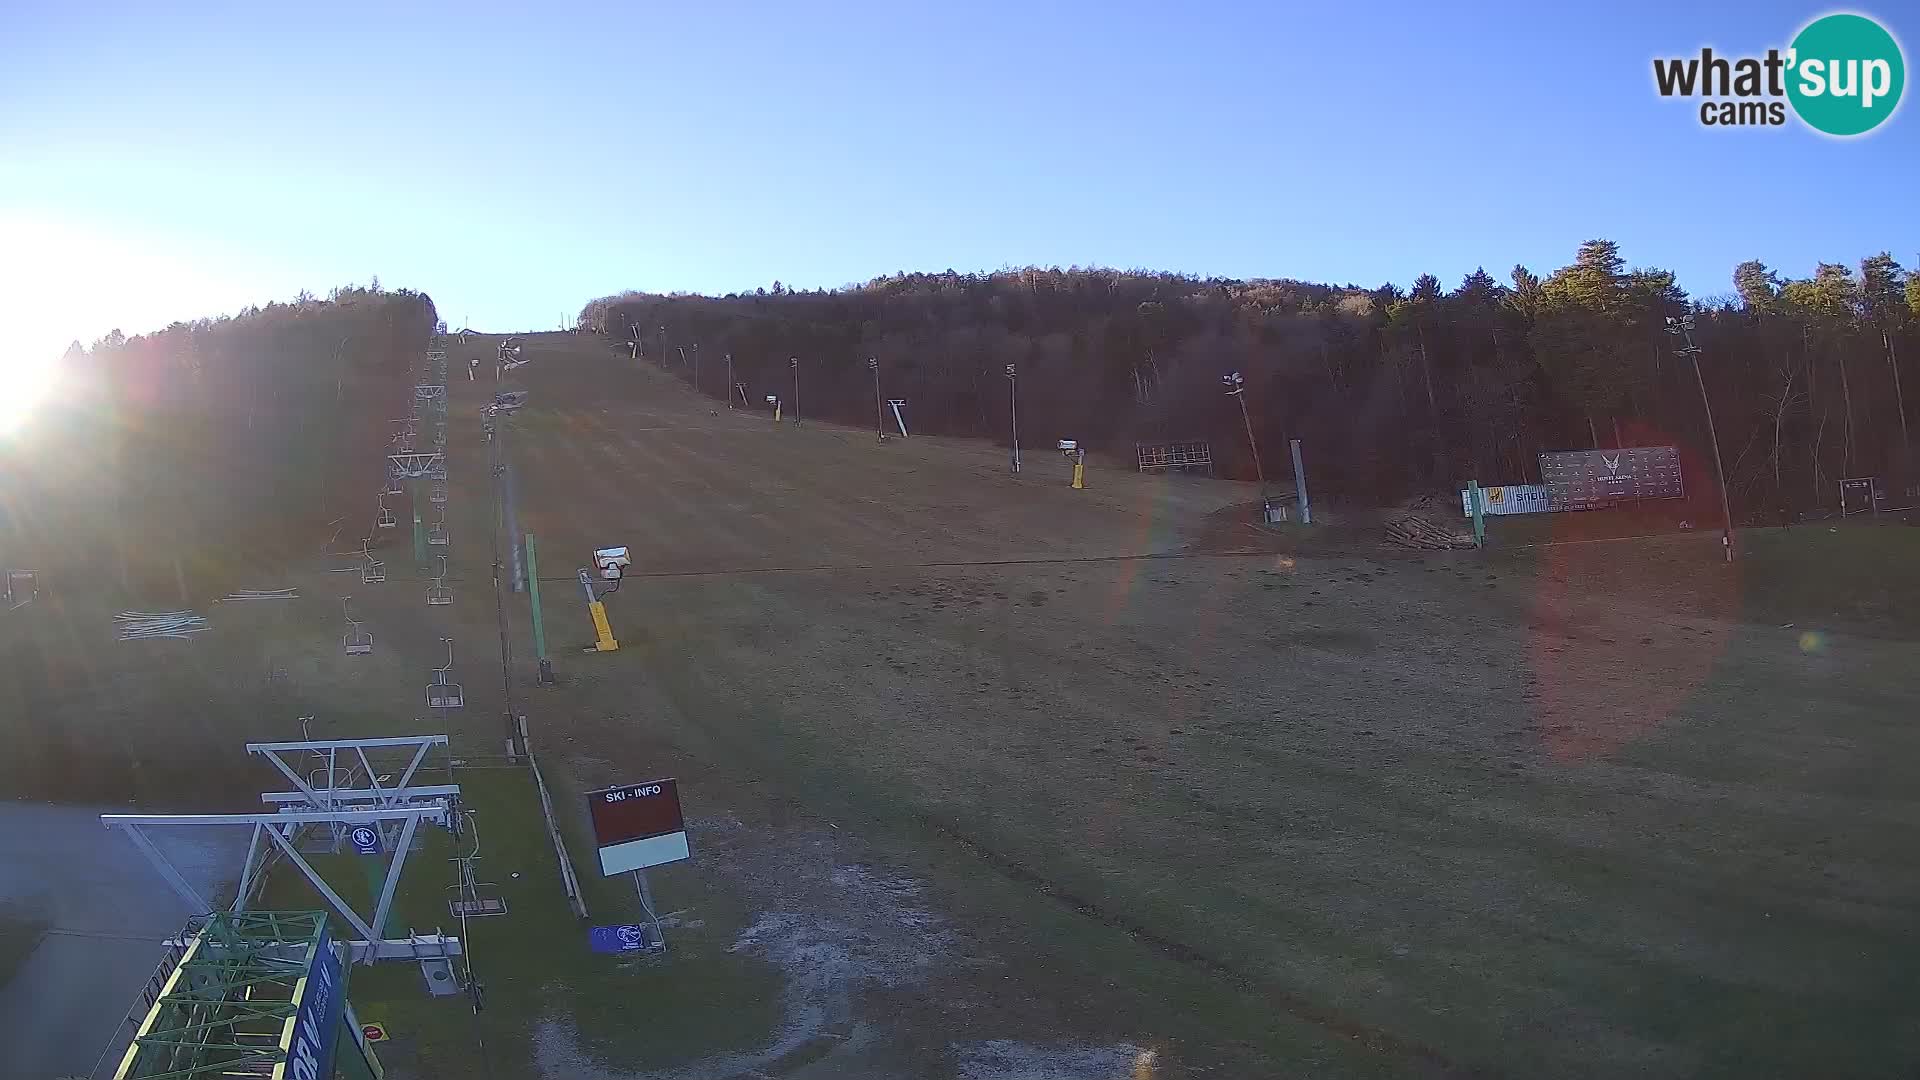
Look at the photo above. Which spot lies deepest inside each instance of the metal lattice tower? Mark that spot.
(229, 1006)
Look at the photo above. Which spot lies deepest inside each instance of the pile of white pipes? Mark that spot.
(139, 625)
(261, 594)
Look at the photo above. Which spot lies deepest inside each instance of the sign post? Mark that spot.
(636, 826)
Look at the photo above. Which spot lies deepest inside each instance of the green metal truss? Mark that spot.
(227, 1007)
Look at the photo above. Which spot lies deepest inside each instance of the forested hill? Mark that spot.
(1394, 390)
(213, 442)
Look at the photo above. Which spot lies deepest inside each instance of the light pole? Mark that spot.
(663, 348)
(879, 411)
(794, 363)
(1682, 327)
(1013, 414)
(729, 380)
(1237, 388)
(696, 367)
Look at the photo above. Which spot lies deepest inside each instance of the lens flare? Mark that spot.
(24, 384)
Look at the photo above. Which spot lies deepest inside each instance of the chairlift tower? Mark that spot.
(349, 800)
(414, 466)
(257, 994)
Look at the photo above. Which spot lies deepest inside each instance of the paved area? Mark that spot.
(106, 913)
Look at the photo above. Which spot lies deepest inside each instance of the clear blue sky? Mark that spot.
(163, 160)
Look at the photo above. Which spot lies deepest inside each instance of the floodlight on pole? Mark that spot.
(1682, 328)
(729, 380)
(794, 363)
(879, 407)
(1236, 386)
(696, 367)
(1013, 415)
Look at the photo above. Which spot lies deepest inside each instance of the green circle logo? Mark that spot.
(1846, 75)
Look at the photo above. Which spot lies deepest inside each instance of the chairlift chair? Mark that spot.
(437, 532)
(386, 520)
(442, 693)
(440, 593)
(439, 493)
(374, 570)
(474, 899)
(357, 641)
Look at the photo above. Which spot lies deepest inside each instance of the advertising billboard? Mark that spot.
(1590, 479)
(318, 1002)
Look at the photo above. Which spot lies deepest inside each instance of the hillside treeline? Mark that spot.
(212, 439)
(1393, 390)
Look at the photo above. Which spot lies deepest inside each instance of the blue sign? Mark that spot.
(316, 1023)
(618, 939)
(365, 839)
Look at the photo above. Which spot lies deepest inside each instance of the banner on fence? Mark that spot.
(1508, 499)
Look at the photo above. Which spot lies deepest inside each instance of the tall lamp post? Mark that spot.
(729, 380)
(794, 363)
(1237, 389)
(1013, 414)
(1682, 328)
(663, 348)
(696, 367)
(879, 411)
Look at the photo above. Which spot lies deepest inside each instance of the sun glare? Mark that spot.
(25, 383)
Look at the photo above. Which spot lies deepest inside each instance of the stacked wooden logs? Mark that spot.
(1413, 531)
